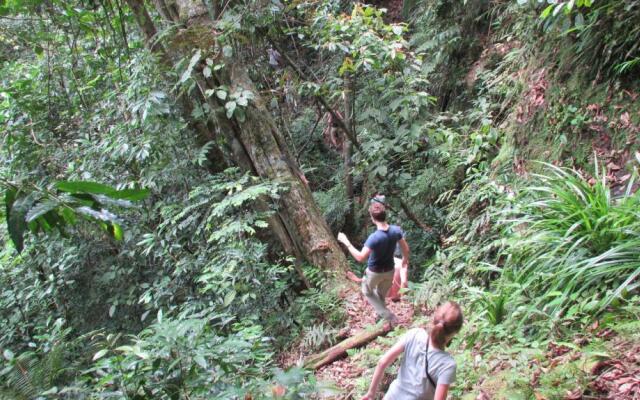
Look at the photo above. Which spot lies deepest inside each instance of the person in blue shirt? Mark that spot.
(378, 250)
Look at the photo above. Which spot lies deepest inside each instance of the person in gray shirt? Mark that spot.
(426, 370)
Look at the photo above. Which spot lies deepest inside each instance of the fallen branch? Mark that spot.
(336, 352)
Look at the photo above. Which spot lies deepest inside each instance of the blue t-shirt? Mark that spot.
(382, 245)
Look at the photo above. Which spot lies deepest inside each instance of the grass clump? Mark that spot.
(575, 247)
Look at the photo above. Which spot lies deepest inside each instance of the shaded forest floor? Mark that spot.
(347, 371)
(603, 362)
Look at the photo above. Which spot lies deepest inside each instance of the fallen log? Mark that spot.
(336, 352)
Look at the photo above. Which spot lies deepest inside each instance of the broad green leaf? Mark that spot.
(40, 209)
(546, 12)
(68, 215)
(382, 170)
(140, 353)
(16, 219)
(200, 361)
(100, 354)
(192, 63)
(10, 197)
(248, 94)
(83, 187)
(125, 349)
(130, 194)
(117, 231)
(229, 297)
(230, 106)
(569, 7)
(558, 7)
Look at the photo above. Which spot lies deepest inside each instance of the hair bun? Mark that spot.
(447, 320)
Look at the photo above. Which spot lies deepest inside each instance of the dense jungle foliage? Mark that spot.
(156, 156)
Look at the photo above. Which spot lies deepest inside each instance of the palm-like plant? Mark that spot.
(578, 246)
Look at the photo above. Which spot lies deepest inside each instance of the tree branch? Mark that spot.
(408, 211)
(413, 217)
(352, 137)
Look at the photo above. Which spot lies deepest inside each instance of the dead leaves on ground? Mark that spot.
(616, 378)
(619, 378)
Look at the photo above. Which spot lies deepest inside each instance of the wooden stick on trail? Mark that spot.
(336, 352)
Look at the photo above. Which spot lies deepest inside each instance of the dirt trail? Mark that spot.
(360, 314)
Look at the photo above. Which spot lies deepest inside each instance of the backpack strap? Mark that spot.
(426, 362)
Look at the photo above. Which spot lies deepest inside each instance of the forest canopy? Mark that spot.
(175, 173)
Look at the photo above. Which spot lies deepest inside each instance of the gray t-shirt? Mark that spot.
(412, 382)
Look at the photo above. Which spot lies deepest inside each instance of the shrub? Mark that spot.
(575, 246)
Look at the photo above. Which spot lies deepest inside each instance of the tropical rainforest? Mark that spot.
(174, 174)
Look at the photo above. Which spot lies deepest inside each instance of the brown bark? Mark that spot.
(205, 134)
(270, 159)
(338, 351)
(168, 11)
(145, 23)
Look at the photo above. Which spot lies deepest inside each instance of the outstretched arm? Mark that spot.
(441, 392)
(387, 359)
(359, 255)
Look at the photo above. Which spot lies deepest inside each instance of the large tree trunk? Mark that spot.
(271, 159)
(257, 146)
